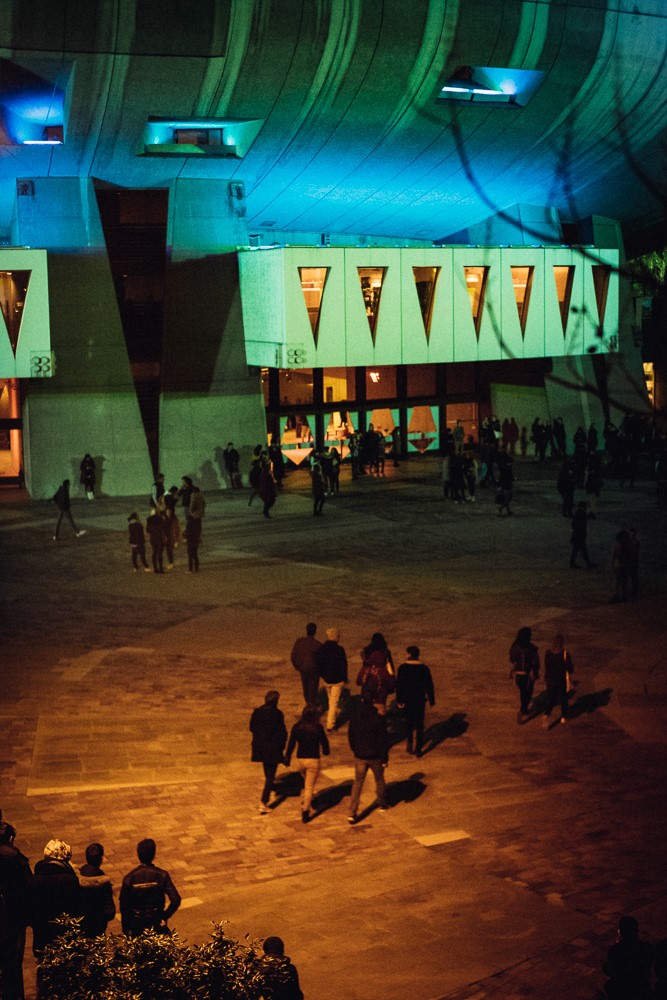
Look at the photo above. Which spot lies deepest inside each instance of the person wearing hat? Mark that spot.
(331, 663)
(53, 891)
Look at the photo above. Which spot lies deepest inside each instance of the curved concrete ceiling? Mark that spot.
(352, 139)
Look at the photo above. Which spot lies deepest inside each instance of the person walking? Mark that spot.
(525, 670)
(192, 535)
(137, 542)
(303, 660)
(308, 738)
(578, 537)
(269, 735)
(331, 663)
(266, 488)
(97, 903)
(367, 735)
(557, 670)
(61, 498)
(172, 529)
(317, 487)
(377, 671)
(144, 893)
(414, 687)
(87, 477)
(15, 878)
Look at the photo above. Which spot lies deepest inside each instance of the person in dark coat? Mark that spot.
(137, 542)
(578, 538)
(280, 974)
(97, 903)
(269, 735)
(87, 477)
(155, 529)
(318, 487)
(414, 687)
(367, 734)
(192, 535)
(377, 671)
(308, 738)
(557, 669)
(525, 669)
(62, 501)
(144, 892)
(15, 878)
(303, 660)
(331, 663)
(231, 458)
(566, 484)
(277, 462)
(255, 473)
(53, 891)
(628, 964)
(266, 488)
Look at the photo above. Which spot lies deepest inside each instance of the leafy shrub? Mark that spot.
(152, 967)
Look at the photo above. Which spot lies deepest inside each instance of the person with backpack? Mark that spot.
(377, 671)
(525, 670)
(144, 892)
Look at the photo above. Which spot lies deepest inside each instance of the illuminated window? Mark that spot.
(381, 382)
(425, 281)
(13, 289)
(212, 137)
(522, 281)
(476, 285)
(371, 279)
(296, 387)
(490, 86)
(564, 276)
(338, 384)
(601, 274)
(313, 280)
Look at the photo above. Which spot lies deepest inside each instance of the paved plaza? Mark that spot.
(508, 852)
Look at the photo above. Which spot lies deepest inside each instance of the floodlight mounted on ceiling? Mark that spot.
(490, 86)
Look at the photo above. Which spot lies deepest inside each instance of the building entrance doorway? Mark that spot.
(11, 436)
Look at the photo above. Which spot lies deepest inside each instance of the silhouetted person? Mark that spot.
(144, 892)
(62, 501)
(414, 687)
(97, 903)
(578, 537)
(367, 735)
(525, 661)
(87, 478)
(281, 975)
(53, 891)
(629, 964)
(557, 669)
(230, 457)
(269, 735)
(303, 660)
(15, 878)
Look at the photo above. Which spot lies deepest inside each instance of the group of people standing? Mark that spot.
(163, 526)
(148, 899)
(368, 737)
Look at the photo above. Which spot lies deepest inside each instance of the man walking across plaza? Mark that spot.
(331, 664)
(303, 660)
(144, 892)
(414, 687)
(62, 501)
(369, 743)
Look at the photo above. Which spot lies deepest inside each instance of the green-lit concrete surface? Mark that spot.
(508, 853)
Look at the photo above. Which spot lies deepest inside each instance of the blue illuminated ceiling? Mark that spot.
(352, 137)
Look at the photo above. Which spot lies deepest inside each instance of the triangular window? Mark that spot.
(564, 276)
(426, 279)
(476, 285)
(601, 274)
(13, 290)
(313, 280)
(371, 279)
(522, 281)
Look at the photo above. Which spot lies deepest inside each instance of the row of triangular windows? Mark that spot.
(371, 279)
